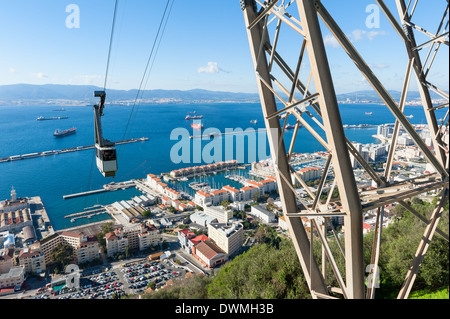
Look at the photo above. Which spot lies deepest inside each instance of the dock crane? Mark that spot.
(105, 150)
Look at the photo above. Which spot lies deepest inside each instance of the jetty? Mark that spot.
(111, 187)
(87, 213)
(227, 133)
(65, 150)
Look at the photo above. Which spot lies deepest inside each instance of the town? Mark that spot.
(166, 234)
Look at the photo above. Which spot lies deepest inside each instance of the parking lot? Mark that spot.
(116, 281)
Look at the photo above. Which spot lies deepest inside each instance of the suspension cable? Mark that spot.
(110, 43)
(147, 66)
(104, 86)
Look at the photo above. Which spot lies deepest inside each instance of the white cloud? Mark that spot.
(330, 40)
(12, 70)
(357, 35)
(89, 78)
(40, 75)
(211, 68)
(379, 66)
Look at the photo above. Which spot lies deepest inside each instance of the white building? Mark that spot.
(14, 277)
(218, 212)
(228, 236)
(235, 195)
(282, 223)
(137, 237)
(202, 219)
(203, 199)
(262, 214)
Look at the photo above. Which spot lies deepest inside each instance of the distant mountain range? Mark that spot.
(66, 95)
(84, 94)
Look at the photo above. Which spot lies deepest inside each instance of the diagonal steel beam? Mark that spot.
(300, 239)
(336, 140)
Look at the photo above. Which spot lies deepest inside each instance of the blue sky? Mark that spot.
(204, 45)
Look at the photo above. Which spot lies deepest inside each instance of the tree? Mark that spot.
(255, 197)
(62, 255)
(147, 213)
(225, 204)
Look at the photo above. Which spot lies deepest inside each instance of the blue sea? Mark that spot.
(51, 177)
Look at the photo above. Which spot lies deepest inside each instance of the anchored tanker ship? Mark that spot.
(59, 133)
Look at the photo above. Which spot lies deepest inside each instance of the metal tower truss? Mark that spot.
(298, 84)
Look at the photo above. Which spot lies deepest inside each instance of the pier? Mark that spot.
(66, 150)
(111, 187)
(227, 133)
(87, 214)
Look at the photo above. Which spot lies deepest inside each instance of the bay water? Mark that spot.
(51, 177)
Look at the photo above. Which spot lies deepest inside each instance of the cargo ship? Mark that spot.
(41, 118)
(193, 117)
(59, 133)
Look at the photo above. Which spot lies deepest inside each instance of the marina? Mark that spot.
(66, 150)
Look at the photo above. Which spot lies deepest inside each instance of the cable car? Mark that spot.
(105, 150)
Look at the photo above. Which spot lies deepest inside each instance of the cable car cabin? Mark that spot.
(105, 150)
(106, 160)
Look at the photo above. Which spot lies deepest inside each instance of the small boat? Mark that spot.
(368, 113)
(197, 126)
(409, 116)
(254, 121)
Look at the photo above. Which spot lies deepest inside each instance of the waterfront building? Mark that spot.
(15, 220)
(14, 204)
(203, 199)
(248, 192)
(268, 185)
(227, 236)
(263, 168)
(204, 169)
(234, 194)
(219, 195)
(307, 174)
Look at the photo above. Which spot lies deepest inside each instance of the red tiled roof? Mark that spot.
(198, 239)
(220, 191)
(231, 189)
(209, 249)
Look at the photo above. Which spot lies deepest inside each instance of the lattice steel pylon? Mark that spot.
(265, 23)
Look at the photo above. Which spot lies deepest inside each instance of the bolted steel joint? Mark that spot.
(245, 3)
